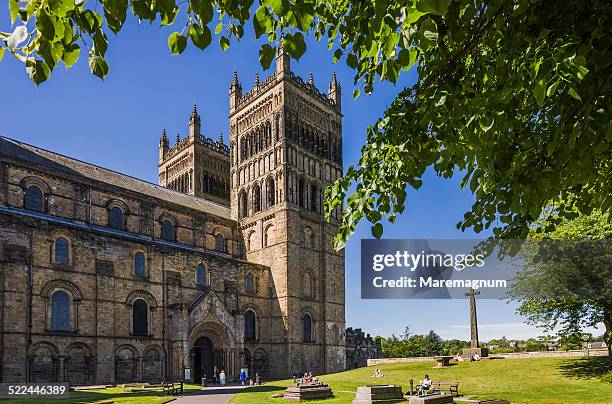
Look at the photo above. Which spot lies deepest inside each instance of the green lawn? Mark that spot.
(114, 395)
(528, 381)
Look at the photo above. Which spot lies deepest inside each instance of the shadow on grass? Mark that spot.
(261, 389)
(586, 368)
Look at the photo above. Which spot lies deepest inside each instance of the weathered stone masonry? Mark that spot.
(107, 279)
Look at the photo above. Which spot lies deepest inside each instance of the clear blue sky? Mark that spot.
(117, 124)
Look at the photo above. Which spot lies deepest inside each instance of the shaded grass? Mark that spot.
(521, 381)
(114, 394)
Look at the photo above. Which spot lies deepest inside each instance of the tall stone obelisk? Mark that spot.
(474, 343)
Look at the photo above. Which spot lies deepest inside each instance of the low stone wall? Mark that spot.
(515, 355)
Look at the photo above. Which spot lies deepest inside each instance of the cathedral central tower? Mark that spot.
(285, 148)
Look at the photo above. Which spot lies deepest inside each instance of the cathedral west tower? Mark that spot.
(285, 148)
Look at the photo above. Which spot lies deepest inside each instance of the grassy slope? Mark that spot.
(529, 381)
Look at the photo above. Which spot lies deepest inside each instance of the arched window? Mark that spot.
(269, 236)
(116, 218)
(301, 192)
(314, 192)
(250, 283)
(270, 193)
(60, 311)
(167, 230)
(307, 328)
(256, 199)
(242, 204)
(61, 251)
(34, 199)
(220, 243)
(250, 324)
(307, 286)
(139, 264)
(140, 318)
(201, 275)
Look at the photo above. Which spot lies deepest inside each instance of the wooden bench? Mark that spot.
(172, 388)
(451, 387)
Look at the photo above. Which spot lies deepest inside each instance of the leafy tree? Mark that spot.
(511, 95)
(454, 347)
(573, 290)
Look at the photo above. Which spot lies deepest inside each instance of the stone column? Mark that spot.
(140, 373)
(62, 375)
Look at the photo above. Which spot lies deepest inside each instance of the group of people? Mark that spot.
(219, 377)
(307, 377)
(244, 378)
(378, 373)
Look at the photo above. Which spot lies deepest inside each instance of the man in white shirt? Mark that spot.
(425, 385)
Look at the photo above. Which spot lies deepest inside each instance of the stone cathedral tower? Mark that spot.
(195, 165)
(285, 148)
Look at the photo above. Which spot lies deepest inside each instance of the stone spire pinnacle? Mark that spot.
(178, 138)
(334, 82)
(221, 137)
(164, 138)
(311, 79)
(235, 79)
(194, 111)
(256, 79)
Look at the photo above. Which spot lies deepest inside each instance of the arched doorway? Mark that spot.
(206, 359)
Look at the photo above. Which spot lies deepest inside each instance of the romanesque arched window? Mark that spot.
(270, 192)
(256, 203)
(269, 236)
(307, 284)
(220, 244)
(242, 204)
(116, 218)
(140, 318)
(307, 328)
(314, 192)
(250, 325)
(61, 251)
(34, 199)
(60, 311)
(201, 275)
(302, 192)
(250, 283)
(167, 230)
(139, 264)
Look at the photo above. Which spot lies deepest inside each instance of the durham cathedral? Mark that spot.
(225, 264)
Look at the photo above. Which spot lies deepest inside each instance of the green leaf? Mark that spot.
(486, 123)
(266, 54)
(295, 45)
(200, 36)
(37, 70)
(377, 230)
(203, 9)
(1, 54)
(428, 33)
(356, 93)
(98, 65)
(44, 25)
(337, 55)
(177, 43)
(280, 7)
(71, 54)
(552, 88)
(14, 9)
(219, 28)
(438, 7)
(539, 92)
(574, 93)
(262, 21)
(224, 42)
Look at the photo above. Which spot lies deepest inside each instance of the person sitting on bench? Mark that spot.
(425, 385)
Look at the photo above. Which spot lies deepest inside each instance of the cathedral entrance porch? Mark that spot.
(211, 349)
(207, 360)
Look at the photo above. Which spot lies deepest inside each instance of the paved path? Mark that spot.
(210, 395)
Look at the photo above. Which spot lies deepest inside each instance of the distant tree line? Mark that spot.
(409, 345)
(431, 344)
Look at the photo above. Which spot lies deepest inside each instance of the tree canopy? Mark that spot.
(513, 96)
(566, 284)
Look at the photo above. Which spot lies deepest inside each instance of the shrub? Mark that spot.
(607, 378)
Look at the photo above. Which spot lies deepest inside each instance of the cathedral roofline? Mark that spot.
(12, 149)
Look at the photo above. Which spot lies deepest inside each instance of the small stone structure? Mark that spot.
(379, 394)
(431, 399)
(443, 361)
(308, 391)
(360, 348)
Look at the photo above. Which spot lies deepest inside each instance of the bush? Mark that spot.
(607, 378)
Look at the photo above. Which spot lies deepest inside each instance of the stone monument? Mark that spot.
(474, 345)
(379, 394)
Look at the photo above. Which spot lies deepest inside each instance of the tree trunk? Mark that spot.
(607, 320)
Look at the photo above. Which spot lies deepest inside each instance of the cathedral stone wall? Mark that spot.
(227, 264)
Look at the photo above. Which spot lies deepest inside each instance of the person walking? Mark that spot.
(243, 377)
(222, 377)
